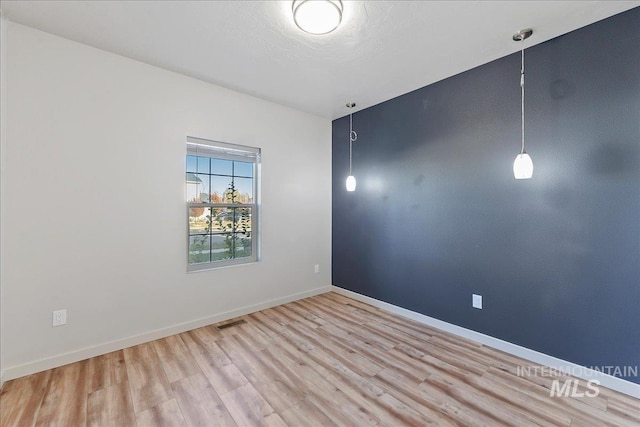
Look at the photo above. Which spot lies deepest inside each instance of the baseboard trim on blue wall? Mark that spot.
(86, 353)
(609, 381)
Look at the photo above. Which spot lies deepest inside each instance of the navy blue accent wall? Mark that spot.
(437, 214)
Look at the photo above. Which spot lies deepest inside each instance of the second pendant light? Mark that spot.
(353, 136)
(523, 165)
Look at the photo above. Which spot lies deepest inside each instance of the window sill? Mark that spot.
(209, 267)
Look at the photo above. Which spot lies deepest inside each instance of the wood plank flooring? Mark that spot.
(322, 361)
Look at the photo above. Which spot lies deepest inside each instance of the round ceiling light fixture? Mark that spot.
(317, 16)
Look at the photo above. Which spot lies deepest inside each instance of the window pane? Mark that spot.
(221, 167)
(203, 165)
(197, 187)
(222, 247)
(199, 249)
(192, 164)
(219, 186)
(204, 194)
(243, 246)
(192, 192)
(244, 188)
(221, 220)
(198, 220)
(243, 235)
(243, 221)
(243, 169)
(193, 178)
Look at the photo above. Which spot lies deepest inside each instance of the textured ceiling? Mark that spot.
(381, 50)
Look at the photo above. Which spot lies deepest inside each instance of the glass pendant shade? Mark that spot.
(317, 16)
(523, 166)
(351, 183)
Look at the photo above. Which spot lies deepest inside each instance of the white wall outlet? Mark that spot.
(476, 301)
(60, 317)
(316, 268)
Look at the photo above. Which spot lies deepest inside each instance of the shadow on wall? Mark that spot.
(614, 159)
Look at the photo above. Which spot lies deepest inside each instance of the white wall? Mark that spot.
(95, 143)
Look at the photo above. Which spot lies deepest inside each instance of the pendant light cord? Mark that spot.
(352, 137)
(350, 142)
(522, 97)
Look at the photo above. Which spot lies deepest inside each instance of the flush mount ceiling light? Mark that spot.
(317, 16)
(351, 180)
(523, 165)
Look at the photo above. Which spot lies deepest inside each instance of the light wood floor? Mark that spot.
(326, 360)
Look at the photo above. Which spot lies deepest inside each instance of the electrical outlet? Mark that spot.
(316, 268)
(60, 317)
(476, 301)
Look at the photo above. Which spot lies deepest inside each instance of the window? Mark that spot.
(222, 204)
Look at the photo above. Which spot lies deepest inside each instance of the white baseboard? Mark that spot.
(609, 381)
(88, 352)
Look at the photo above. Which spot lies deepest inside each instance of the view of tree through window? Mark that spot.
(221, 203)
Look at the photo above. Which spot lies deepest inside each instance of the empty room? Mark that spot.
(315, 213)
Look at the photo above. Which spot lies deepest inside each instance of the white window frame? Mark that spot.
(226, 151)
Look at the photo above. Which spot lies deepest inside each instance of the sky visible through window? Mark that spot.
(208, 179)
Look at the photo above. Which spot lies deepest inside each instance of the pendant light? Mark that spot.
(522, 166)
(353, 136)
